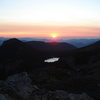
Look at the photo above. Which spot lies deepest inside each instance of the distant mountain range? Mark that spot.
(81, 42)
(78, 42)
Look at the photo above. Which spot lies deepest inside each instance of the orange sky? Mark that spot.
(29, 30)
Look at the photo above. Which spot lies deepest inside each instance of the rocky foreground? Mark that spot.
(20, 87)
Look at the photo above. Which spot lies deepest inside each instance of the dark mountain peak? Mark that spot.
(13, 39)
(15, 49)
(94, 46)
(12, 42)
(97, 43)
(12, 47)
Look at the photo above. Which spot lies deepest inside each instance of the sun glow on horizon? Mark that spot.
(54, 35)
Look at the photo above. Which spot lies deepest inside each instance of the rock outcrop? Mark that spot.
(19, 87)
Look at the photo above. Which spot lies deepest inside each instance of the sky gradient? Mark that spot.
(42, 18)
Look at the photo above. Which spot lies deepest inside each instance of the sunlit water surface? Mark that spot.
(51, 60)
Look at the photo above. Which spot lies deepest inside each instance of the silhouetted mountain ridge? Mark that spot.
(51, 46)
(77, 71)
(16, 56)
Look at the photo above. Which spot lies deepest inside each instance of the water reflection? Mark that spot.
(51, 60)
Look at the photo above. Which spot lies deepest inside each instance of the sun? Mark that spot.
(54, 35)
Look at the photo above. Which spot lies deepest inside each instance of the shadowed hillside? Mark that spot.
(77, 71)
(51, 46)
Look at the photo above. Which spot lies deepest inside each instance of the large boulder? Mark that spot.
(21, 84)
(19, 87)
(4, 97)
(59, 95)
(82, 96)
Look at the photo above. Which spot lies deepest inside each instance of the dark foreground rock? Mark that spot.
(20, 87)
